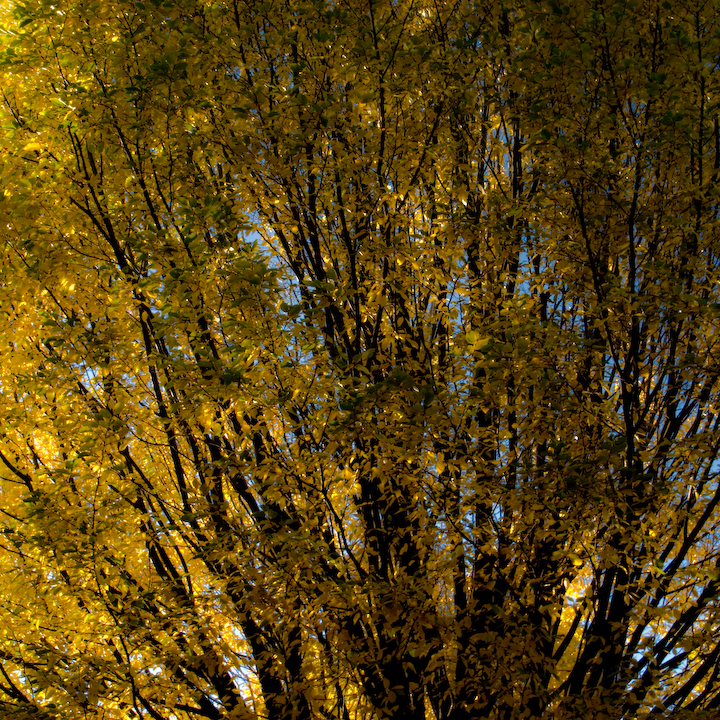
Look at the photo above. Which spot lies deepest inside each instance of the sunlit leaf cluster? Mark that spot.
(359, 360)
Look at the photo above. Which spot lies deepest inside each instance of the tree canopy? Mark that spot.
(359, 359)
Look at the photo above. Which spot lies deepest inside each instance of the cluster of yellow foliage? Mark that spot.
(359, 359)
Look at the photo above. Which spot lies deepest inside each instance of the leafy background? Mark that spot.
(359, 360)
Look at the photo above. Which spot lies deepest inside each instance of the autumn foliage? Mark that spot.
(359, 359)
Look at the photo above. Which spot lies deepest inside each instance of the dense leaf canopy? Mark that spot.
(359, 359)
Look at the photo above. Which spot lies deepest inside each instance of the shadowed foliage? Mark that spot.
(359, 359)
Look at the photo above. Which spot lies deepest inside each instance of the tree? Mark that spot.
(360, 359)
